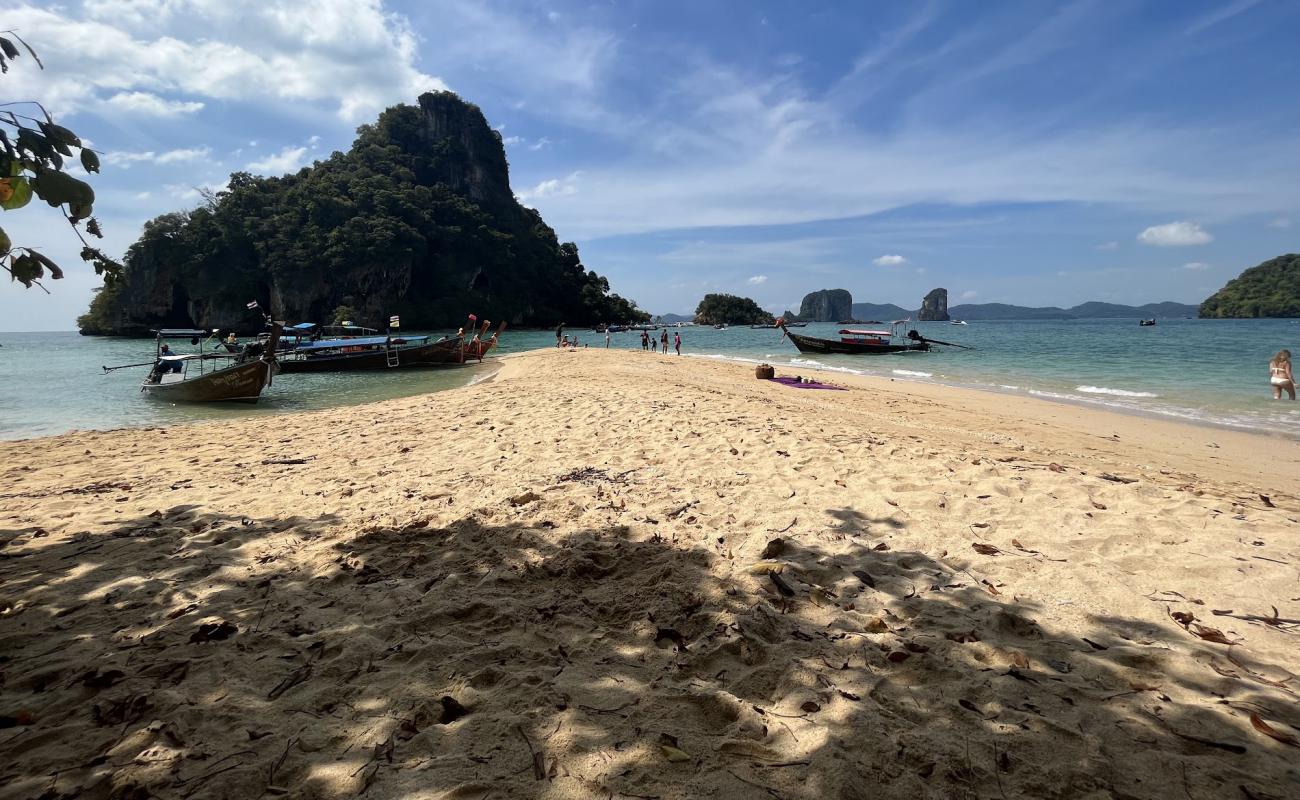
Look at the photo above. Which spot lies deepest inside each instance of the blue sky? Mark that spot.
(1023, 152)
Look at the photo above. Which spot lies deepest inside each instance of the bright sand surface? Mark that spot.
(556, 584)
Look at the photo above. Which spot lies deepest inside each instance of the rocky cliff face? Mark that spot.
(416, 219)
(935, 306)
(827, 305)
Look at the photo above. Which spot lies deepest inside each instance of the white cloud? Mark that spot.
(921, 270)
(1280, 222)
(757, 279)
(126, 159)
(1196, 266)
(969, 294)
(287, 160)
(351, 56)
(539, 144)
(554, 187)
(151, 105)
(889, 261)
(509, 140)
(1175, 234)
(1108, 246)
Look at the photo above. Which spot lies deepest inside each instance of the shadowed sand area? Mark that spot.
(563, 583)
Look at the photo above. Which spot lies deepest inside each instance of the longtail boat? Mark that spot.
(372, 353)
(478, 347)
(188, 378)
(865, 342)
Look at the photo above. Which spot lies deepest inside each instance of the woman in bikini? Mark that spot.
(1279, 370)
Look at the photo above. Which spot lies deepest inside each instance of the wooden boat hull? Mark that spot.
(241, 383)
(432, 354)
(809, 344)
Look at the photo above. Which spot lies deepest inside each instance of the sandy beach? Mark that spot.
(624, 575)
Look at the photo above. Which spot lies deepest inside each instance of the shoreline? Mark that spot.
(1039, 395)
(839, 373)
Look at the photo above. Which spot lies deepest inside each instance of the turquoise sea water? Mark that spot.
(1207, 371)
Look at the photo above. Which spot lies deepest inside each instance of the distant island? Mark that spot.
(728, 309)
(826, 305)
(417, 219)
(934, 306)
(998, 311)
(1271, 289)
(829, 305)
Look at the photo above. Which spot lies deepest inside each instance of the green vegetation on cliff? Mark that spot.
(416, 219)
(1271, 289)
(728, 309)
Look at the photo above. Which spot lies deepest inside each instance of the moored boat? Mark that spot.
(371, 353)
(187, 378)
(478, 347)
(864, 342)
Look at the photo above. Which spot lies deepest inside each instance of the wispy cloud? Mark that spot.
(552, 187)
(889, 261)
(289, 159)
(1280, 222)
(757, 279)
(126, 159)
(1221, 14)
(1196, 266)
(1175, 234)
(151, 105)
(1108, 246)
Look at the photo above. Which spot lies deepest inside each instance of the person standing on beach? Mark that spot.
(677, 342)
(645, 340)
(606, 338)
(1280, 375)
(559, 333)
(663, 340)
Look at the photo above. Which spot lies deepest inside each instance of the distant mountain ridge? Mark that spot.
(994, 311)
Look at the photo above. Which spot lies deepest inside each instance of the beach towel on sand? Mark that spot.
(787, 381)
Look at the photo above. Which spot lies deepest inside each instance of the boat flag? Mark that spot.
(252, 305)
(473, 318)
(394, 321)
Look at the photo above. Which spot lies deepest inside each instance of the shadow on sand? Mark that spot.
(187, 655)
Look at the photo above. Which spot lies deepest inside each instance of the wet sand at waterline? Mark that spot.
(710, 587)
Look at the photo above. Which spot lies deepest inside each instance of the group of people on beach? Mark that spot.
(648, 344)
(1280, 375)
(562, 340)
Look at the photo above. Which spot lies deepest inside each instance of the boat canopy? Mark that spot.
(180, 333)
(303, 326)
(368, 341)
(850, 332)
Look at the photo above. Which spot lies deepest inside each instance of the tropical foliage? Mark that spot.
(1271, 289)
(416, 219)
(32, 153)
(728, 309)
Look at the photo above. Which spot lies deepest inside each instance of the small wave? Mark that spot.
(724, 357)
(1008, 386)
(913, 373)
(1115, 392)
(809, 361)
